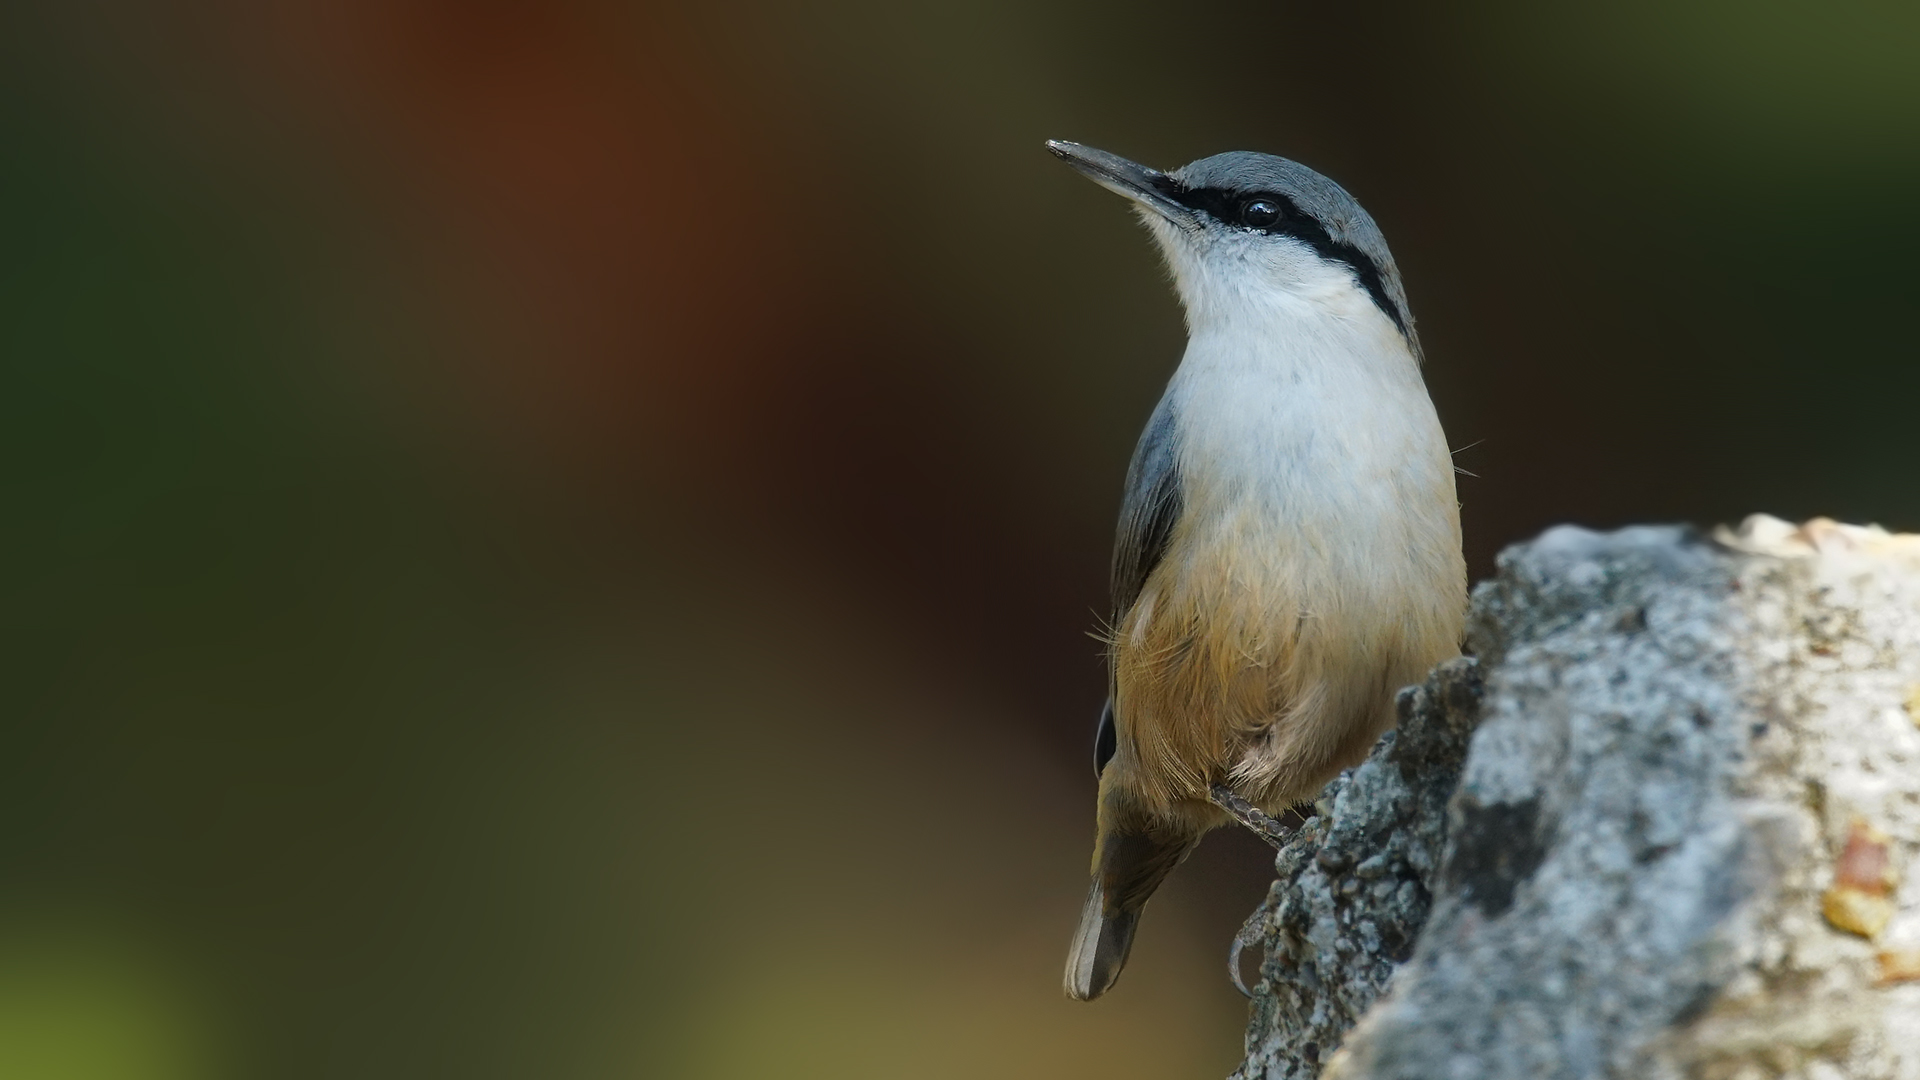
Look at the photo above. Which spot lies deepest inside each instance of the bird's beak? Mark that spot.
(1150, 188)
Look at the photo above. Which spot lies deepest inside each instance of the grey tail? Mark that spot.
(1100, 947)
(1130, 868)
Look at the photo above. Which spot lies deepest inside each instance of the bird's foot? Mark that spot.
(1252, 932)
(1254, 818)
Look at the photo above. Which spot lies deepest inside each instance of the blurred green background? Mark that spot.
(557, 539)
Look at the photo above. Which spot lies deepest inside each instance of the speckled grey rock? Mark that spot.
(1678, 847)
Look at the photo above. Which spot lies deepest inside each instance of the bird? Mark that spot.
(1288, 552)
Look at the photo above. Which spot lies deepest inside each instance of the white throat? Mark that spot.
(1295, 389)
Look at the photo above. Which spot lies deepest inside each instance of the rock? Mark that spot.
(1353, 889)
(1680, 843)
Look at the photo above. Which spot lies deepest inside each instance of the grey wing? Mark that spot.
(1148, 510)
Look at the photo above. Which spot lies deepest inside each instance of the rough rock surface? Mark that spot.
(1682, 843)
(1353, 885)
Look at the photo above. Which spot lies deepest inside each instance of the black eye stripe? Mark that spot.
(1224, 206)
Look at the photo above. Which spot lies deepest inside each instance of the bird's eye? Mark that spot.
(1259, 213)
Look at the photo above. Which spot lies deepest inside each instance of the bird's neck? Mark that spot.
(1331, 339)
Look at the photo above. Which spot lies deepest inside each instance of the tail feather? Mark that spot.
(1100, 947)
(1128, 868)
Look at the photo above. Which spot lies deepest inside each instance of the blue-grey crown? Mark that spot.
(1314, 210)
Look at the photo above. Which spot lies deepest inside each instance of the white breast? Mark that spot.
(1306, 421)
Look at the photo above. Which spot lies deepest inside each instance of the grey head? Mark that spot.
(1243, 192)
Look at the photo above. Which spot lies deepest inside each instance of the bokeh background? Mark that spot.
(557, 539)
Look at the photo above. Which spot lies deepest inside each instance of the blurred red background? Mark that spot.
(559, 539)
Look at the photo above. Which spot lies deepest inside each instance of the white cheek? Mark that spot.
(1225, 273)
(1275, 266)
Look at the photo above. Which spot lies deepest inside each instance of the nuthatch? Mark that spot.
(1289, 542)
